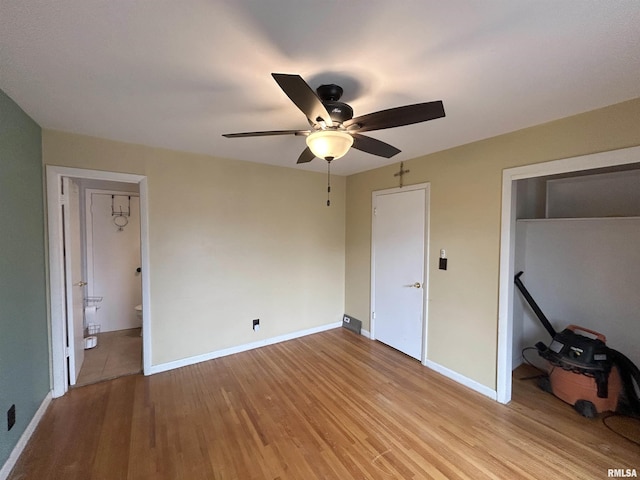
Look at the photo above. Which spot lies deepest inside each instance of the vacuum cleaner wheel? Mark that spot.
(586, 408)
(545, 384)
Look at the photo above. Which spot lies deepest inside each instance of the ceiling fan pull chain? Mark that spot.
(328, 183)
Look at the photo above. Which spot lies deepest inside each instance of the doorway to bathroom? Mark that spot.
(113, 300)
(109, 221)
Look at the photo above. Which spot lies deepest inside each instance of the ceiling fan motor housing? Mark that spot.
(338, 111)
(329, 95)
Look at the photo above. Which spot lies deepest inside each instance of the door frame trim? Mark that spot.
(507, 243)
(56, 292)
(425, 281)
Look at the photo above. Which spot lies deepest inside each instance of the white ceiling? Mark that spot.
(179, 74)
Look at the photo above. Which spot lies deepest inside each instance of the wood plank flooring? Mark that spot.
(332, 405)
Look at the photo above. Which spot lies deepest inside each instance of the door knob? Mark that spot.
(80, 284)
(417, 285)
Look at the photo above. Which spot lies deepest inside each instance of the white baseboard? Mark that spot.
(24, 438)
(461, 379)
(365, 333)
(164, 367)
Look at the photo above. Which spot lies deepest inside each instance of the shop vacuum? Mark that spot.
(582, 371)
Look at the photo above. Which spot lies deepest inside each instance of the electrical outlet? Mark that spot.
(11, 417)
(256, 325)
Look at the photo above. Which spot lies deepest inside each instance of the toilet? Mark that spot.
(138, 309)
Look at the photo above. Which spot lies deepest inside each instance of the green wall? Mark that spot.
(24, 345)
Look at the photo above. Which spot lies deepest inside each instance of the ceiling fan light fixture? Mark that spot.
(329, 144)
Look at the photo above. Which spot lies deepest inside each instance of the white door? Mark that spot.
(74, 284)
(113, 255)
(398, 249)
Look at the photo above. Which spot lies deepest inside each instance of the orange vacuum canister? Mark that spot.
(581, 390)
(581, 371)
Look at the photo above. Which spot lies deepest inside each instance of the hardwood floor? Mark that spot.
(332, 405)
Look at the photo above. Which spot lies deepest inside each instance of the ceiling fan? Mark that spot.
(333, 130)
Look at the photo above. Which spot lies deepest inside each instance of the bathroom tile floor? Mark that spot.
(117, 354)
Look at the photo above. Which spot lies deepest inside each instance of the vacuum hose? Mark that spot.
(629, 374)
(534, 306)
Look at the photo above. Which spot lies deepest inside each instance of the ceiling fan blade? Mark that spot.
(306, 156)
(396, 117)
(267, 133)
(373, 146)
(303, 96)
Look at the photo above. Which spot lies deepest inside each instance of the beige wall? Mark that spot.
(229, 242)
(232, 241)
(466, 185)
